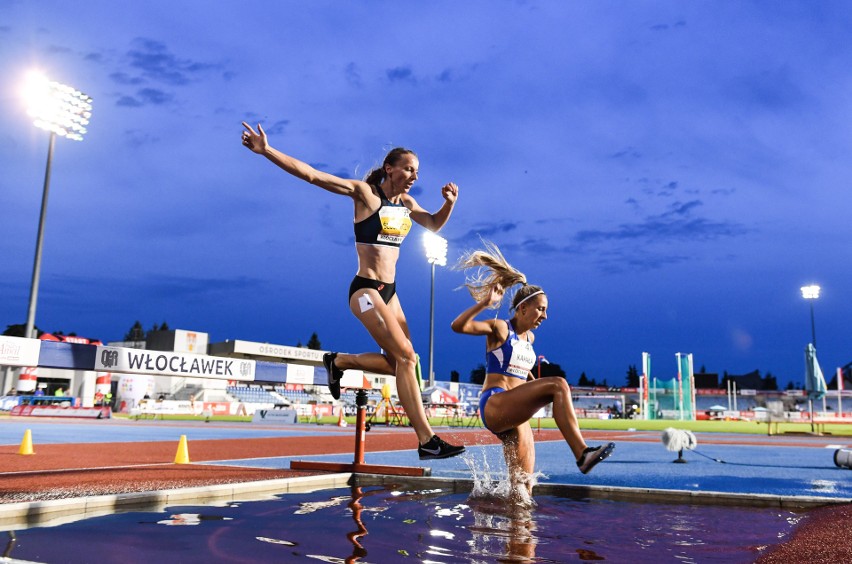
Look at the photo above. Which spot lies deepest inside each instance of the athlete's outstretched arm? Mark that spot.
(257, 142)
(434, 221)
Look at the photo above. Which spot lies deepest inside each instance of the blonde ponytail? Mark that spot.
(490, 268)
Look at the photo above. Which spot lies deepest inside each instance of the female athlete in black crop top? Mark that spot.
(384, 210)
(388, 226)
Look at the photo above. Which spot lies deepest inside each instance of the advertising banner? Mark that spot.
(17, 351)
(192, 342)
(132, 388)
(277, 351)
(300, 374)
(159, 363)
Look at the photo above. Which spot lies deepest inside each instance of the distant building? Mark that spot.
(750, 381)
(706, 380)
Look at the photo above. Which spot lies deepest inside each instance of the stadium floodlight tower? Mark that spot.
(65, 112)
(811, 293)
(436, 253)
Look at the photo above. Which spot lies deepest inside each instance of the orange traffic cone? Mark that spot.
(341, 422)
(182, 456)
(27, 443)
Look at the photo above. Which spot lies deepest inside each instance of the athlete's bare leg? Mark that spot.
(517, 406)
(519, 451)
(386, 324)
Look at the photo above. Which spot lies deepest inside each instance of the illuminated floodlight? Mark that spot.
(56, 107)
(810, 292)
(436, 248)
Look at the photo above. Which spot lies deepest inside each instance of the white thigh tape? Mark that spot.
(365, 303)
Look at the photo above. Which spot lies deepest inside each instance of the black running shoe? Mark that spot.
(438, 448)
(592, 455)
(334, 374)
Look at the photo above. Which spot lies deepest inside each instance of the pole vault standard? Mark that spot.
(19, 351)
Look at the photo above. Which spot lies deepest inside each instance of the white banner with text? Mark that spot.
(159, 363)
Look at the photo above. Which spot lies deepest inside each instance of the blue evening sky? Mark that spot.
(671, 172)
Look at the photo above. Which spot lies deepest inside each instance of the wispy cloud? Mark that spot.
(138, 138)
(145, 97)
(487, 231)
(401, 74)
(150, 61)
(657, 241)
(128, 102)
(626, 153)
(124, 78)
(667, 27)
(675, 224)
(154, 60)
(446, 76)
(636, 260)
(94, 57)
(456, 73)
(352, 75)
(277, 127)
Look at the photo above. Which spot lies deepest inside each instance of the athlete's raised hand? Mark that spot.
(255, 140)
(450, 192)
(495, 296)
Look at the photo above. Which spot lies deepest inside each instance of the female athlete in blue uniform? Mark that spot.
(384, 211)
(511, 395)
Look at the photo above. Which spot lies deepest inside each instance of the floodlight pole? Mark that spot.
(811, 293)
(432, 328)
(31, 310)
(436, 253)
(813, 324)
(61, 110)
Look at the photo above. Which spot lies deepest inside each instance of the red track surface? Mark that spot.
(85, 469)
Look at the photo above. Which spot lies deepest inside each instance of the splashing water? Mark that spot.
(497, 483)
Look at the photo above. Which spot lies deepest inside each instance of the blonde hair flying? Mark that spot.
(491, 268)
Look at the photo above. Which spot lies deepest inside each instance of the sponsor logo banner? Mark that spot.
(275, 416)
(300, 374)
(158, 363)
(18, 351)
(277, 351)
(217, 407)
(58, 411)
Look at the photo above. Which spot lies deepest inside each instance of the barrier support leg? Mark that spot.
(358, 465)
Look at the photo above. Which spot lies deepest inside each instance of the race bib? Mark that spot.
(395, 224)
(523, 359)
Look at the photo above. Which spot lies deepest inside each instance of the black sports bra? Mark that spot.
(387, 227)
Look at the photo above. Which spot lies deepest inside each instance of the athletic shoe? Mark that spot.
(438, 448)
(334, 374)
(592, 455)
